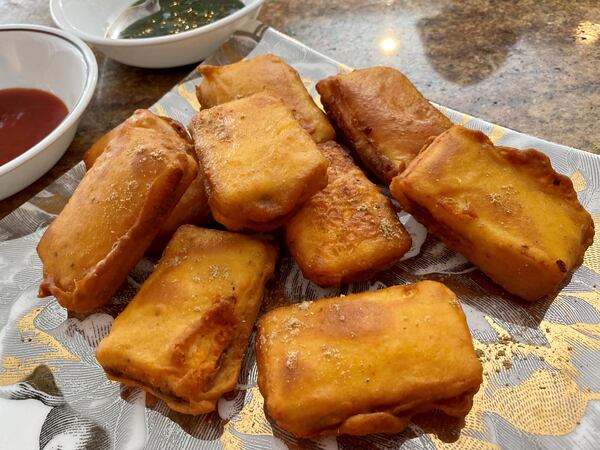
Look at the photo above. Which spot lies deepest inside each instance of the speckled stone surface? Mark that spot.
(532, 65)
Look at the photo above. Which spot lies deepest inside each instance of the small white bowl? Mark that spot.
(89, 20)
(34, 56)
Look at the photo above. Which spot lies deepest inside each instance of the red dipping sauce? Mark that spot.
(26, 117)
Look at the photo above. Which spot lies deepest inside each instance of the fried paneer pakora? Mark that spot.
(132, 128)
(192, 208)
(382, 115)
(183, 336)
(506, 210)
(347, 231)
(260, 164)
(112, 218)
(368, 362)
(268, 73)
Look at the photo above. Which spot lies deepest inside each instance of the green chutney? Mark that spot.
(177, 16)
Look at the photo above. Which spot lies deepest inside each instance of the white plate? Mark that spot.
(89, 20)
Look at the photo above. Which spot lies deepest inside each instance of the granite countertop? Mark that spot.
(531, 65)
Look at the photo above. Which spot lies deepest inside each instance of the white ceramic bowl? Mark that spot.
(33, 56)
(89, 20)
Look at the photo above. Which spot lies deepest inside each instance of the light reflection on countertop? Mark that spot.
(587, 32)
(389, 45)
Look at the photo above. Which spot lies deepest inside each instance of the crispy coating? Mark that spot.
(506, 210)
(184, 334)
(140, 119)
(368, 362)
(347, 231)
(192, 208)
(112, 217)
(268, 73)
(382, 115)
(260, 164)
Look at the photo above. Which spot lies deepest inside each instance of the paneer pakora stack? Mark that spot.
(262, 155)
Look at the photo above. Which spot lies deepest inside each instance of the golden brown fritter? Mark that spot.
(192, 208)
(506, 210)
(347, 231)
(113, 216)
(268, 73)
(131, 127)
(183, 336)
(368, 362)
(260, 164)
(382, 115)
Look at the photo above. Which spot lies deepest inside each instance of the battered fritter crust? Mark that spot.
(267, 73)
(368, 362)
(506, 210)
(347, 231)
(184, 334)
(382, 115)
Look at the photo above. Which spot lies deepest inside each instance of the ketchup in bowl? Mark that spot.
(26, 117)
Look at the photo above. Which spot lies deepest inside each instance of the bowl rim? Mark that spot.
(85, 96)
(83, 101)
(57, 13)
